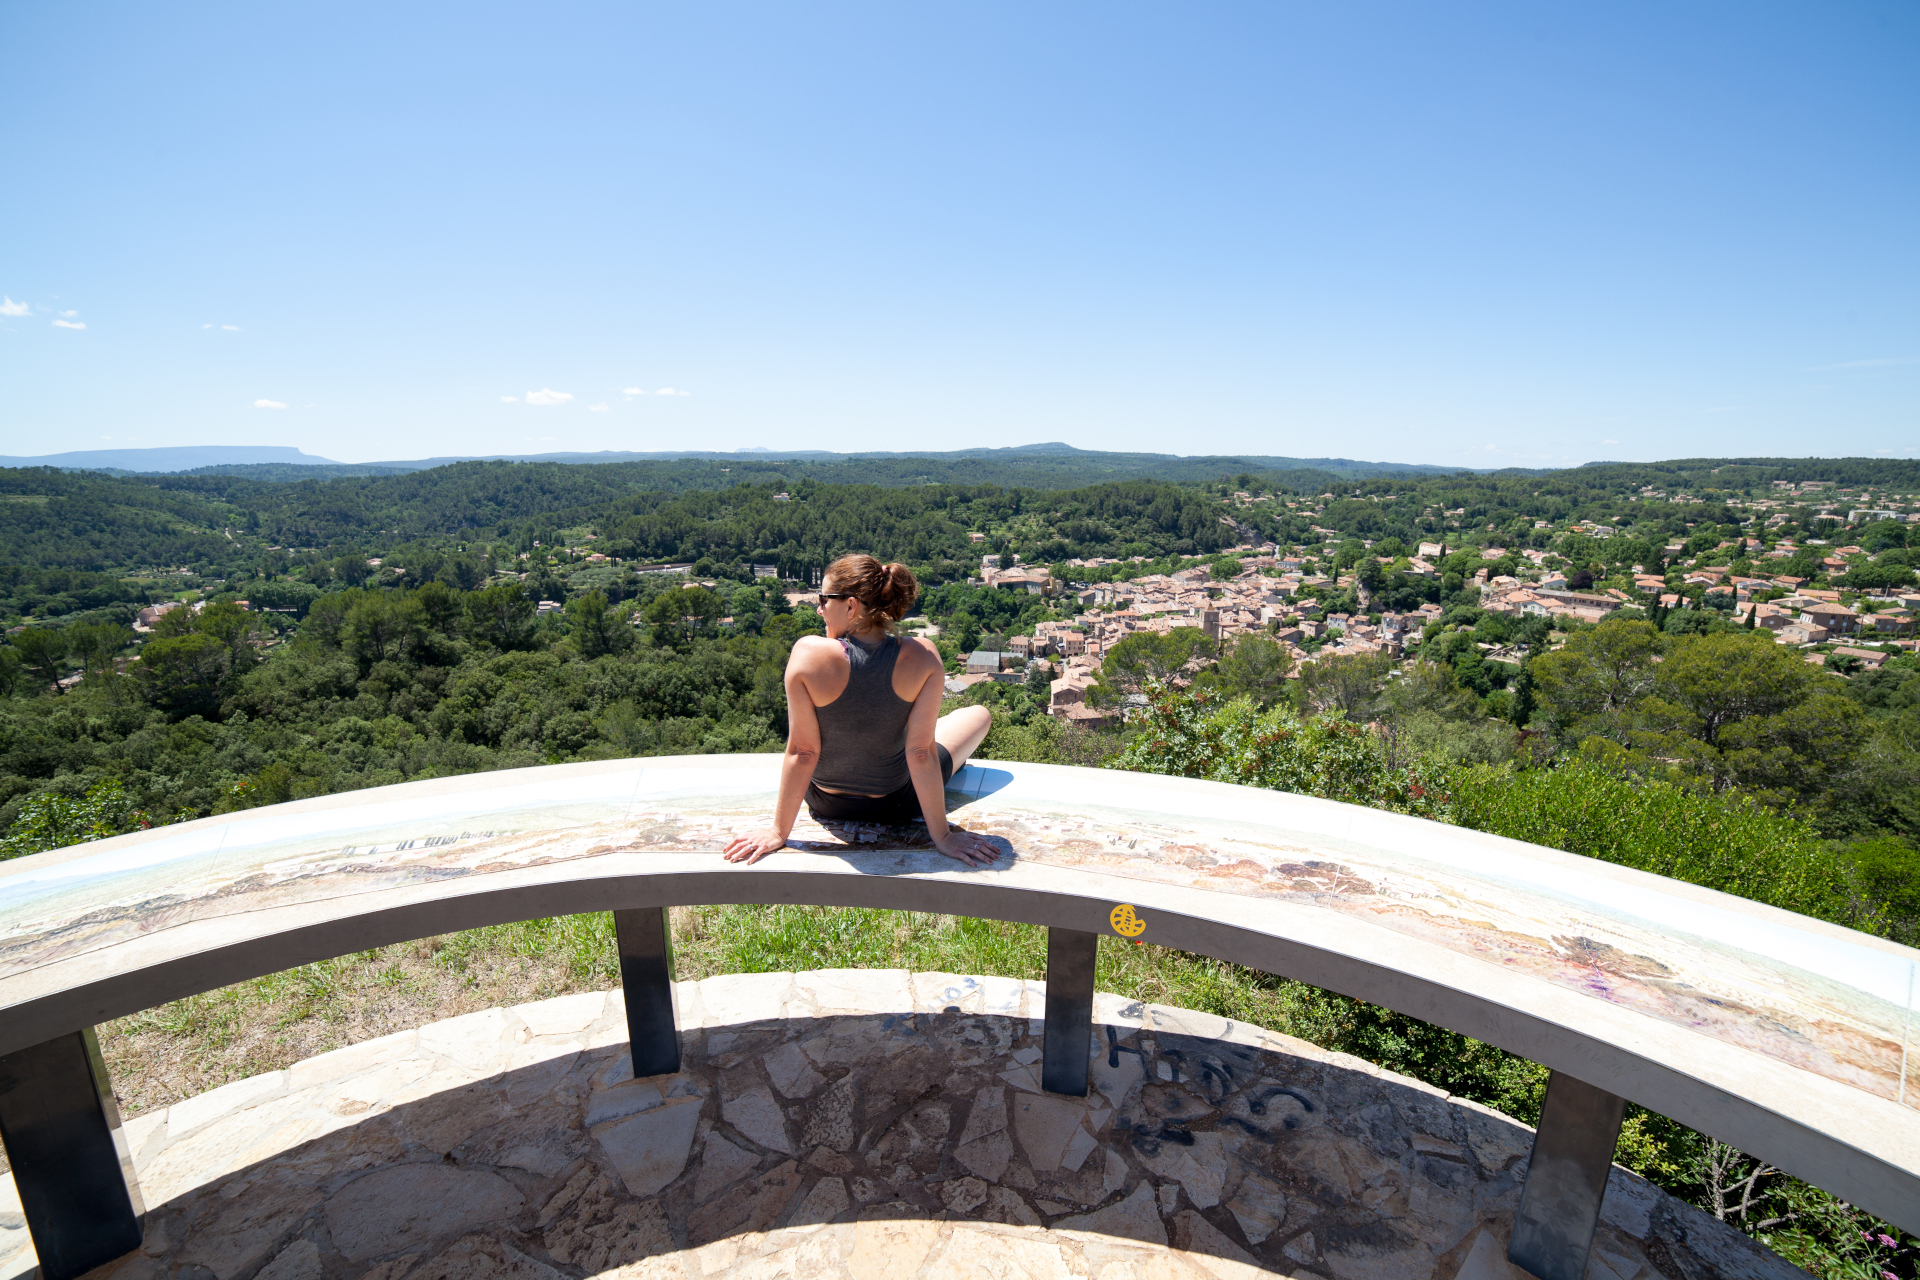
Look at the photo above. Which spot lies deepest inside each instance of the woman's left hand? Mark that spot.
(965, 846)
(747, 849)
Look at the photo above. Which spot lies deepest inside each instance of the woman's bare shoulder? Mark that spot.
(921, 653)
(920, 665)
(809, 652)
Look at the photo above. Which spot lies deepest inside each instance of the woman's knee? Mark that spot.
(962, 723)
(973, 719)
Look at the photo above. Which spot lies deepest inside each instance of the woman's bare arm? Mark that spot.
(796, 767)
(923, 766)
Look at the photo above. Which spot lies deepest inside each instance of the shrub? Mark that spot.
(1726, 841)
(1193, 734)
(52, 821)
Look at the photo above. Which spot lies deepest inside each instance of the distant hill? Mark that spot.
(283, 472)
(82, 520)
(1899, 474)
(1051, 464)
(1204, 466)
(181, 458)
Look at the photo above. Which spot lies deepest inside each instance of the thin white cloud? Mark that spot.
(597, 408)
(1609, 442)
(633, 391)
(8, 307)
(69, 313)
(1863, 364)
(509, 399)
(669, 391)
(547, 395)
(268, 404)
(206, 326)
(231, 328)
(69, 324)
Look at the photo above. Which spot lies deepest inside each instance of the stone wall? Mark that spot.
(877, 1125)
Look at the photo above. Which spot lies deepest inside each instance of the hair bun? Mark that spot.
(886, 591)
(900, 591)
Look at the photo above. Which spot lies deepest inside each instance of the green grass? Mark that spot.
(271, 1020)
(746, 939)
(750, 939)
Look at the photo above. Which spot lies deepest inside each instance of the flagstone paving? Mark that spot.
(867, 1124)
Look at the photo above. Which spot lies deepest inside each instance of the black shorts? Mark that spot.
(896, 808)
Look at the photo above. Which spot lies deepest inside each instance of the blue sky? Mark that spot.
(1485, 234)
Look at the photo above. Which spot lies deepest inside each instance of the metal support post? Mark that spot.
(70, 1160)
(646, 975)
(1566, 1179)
(1069, 1027)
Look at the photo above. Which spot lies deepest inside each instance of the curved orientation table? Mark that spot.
(1785, 1036)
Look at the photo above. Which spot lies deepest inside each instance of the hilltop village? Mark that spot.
(1331, 598)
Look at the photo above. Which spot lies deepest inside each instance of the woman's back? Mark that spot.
(863, 732)
(865, 738)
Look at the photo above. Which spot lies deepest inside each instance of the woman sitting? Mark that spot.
(865, 738)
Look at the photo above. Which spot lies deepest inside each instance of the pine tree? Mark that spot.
(1523, 702)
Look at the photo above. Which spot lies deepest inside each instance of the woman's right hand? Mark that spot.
(750, 849)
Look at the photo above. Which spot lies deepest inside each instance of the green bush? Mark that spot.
(1885, 876)
(1726, 842)
(1193, 734)
(50, 820)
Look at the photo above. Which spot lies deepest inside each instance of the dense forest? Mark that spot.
(220, 524)
(926, 526)
(385, 685)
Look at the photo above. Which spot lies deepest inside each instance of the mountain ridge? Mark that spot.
(183, 458)
(186, 458)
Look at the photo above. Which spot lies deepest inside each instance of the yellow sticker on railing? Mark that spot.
(1127, 922)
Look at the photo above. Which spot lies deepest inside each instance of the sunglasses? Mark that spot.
(825, 596)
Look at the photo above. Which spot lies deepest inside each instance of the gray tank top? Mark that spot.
(863, 732)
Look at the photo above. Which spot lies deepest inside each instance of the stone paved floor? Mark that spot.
(870, 1124)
